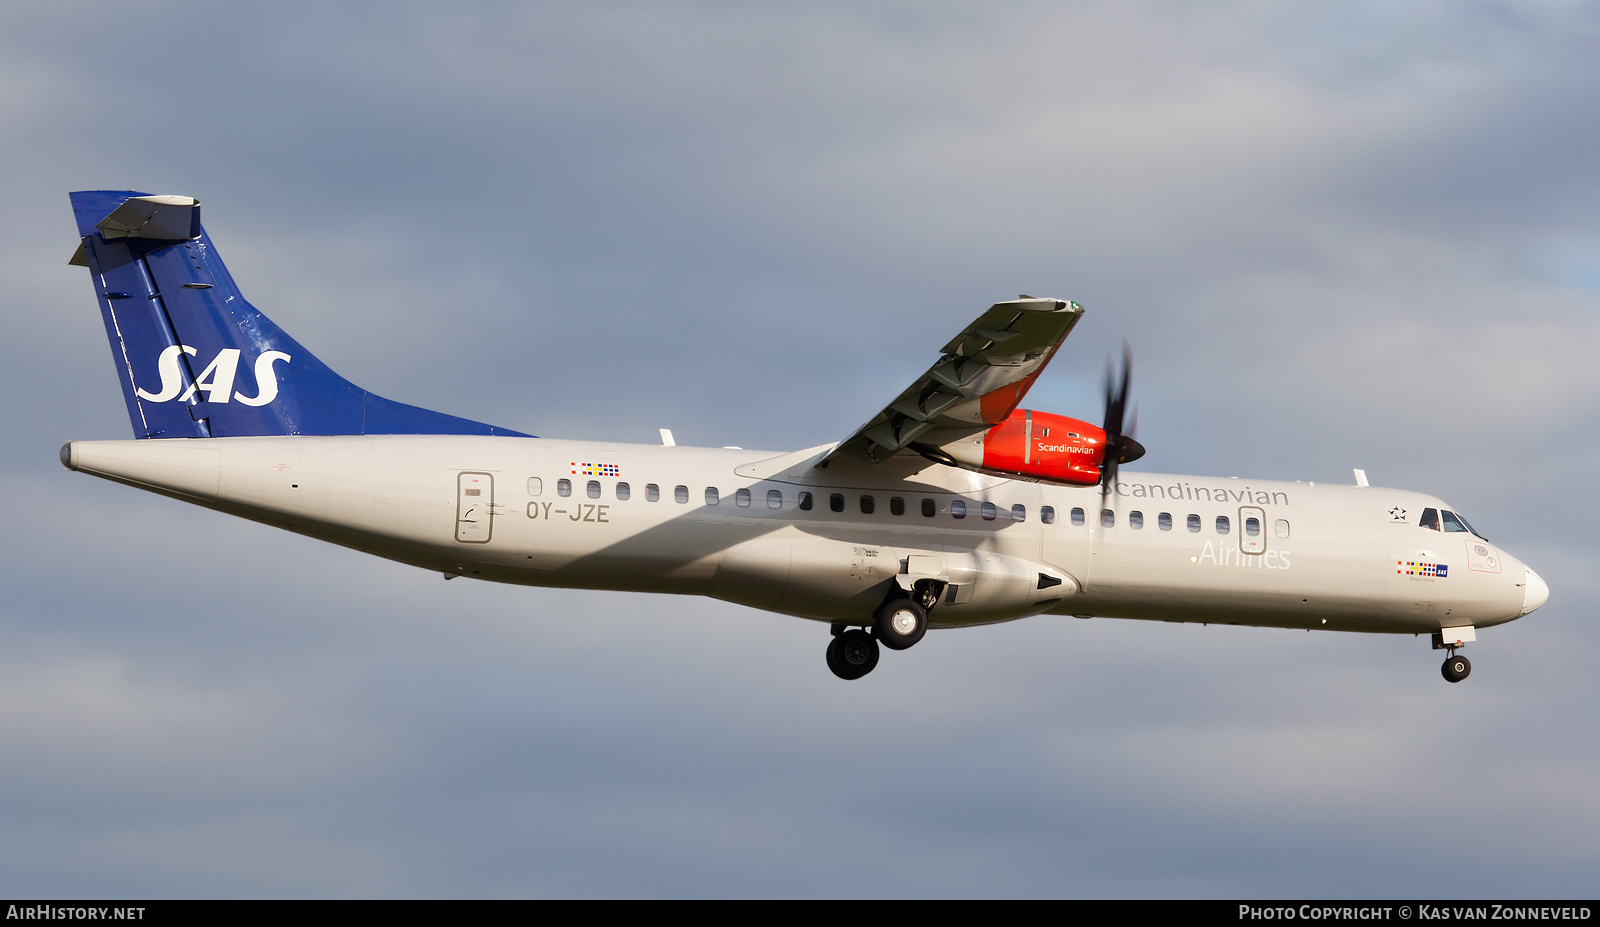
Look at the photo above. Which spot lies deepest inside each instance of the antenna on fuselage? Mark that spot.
(666, 437)
(1361, 479)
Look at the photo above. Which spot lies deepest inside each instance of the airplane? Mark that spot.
(950, 507)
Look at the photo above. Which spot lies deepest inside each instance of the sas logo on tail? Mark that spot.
(216, 381)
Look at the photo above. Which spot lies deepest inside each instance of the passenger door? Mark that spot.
(474, 507)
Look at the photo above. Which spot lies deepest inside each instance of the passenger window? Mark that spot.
(774, 499)
(1136, 519)
(741, 498)
(868, 504)
(958, 508)
(652, 492)
(1194, 524)
(563, 488)
(1164, 521)
(1222, 524)
(681, 494)
(805, 502)
(1282, 527)
(623, 492)
(712, 496)
(1077, 517)
(1047, 514)
(1108, 518)
(1252, 526)
(897, 505)
(1430, 519)
(987, 511)
(1019, 513)
(1452, 523)
(929, 508)
(836, 502)
(593, 489)
(535, 485)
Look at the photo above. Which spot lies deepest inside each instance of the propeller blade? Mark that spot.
(1120, 447)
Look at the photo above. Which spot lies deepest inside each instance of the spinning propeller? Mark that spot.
(1121, 448)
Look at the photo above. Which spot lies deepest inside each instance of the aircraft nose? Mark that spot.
(1534, 592)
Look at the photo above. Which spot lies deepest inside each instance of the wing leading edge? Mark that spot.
(983, 375)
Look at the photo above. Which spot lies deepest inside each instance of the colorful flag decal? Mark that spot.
(1417, 568)
(595, 469)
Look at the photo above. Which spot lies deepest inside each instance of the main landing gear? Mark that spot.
(898, 624)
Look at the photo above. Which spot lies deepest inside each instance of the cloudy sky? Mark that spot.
(1336, 235)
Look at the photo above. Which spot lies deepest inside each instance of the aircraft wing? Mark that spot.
(983, 375)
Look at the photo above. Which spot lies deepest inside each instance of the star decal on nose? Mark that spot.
(1397, 514)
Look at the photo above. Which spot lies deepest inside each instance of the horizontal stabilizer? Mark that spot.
(165, 218)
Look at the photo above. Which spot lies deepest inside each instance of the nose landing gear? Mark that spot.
(1455, 668)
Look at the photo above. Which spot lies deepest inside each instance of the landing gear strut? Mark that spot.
(852, 654)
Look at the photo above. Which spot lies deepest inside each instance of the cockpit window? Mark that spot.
(1430, 519)
(1452, 523)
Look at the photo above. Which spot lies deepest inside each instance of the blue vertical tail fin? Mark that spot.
(198, 361)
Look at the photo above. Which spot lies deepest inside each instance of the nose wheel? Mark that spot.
(1456, 668)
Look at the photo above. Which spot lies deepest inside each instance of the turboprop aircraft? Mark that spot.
(951, 507)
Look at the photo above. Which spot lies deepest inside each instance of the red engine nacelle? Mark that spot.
(1037, 445)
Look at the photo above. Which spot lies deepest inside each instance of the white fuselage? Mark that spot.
(1321, 556)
